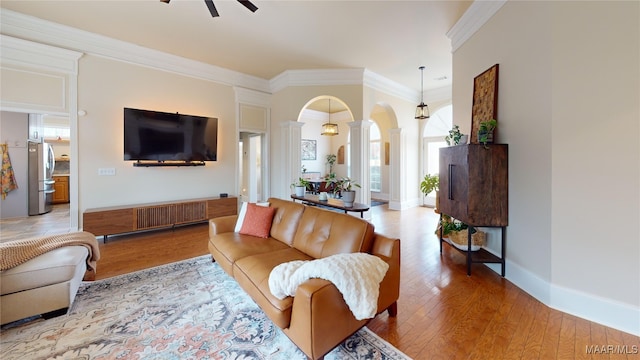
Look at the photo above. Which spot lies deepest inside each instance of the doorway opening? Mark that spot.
(250, 165)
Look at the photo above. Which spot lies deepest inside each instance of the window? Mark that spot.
(374, 159)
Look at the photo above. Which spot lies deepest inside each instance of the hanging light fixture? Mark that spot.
(422, 110)
(328, 128)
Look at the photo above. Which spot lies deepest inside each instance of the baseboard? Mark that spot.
(591, 307)
(595, 308)
(402, 205)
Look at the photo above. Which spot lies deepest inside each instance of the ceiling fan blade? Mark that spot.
(249, 5)
(165, 1)
(212, 8)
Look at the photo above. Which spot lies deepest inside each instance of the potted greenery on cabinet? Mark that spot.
(455, 137)
(485, 131)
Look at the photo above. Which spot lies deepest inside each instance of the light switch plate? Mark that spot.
(107, 171)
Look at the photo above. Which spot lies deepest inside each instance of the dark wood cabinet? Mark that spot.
(474, 188)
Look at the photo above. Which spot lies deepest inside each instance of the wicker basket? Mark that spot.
(460, 240)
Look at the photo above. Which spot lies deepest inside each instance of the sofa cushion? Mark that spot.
(257, 221)
(227, 248)
(252, 273)
(56, 266)
(323, 233)
(243, 212)
(286, 219)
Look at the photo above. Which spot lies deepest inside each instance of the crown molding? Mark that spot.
(357, 76)
(53, 34)
(56, 35)
(472, 20)
(390, 87)
(316, 77)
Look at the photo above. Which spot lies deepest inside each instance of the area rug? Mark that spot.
(186, 310)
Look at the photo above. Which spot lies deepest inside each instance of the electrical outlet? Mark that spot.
(107, 171)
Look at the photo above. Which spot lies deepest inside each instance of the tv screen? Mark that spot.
(159, 136)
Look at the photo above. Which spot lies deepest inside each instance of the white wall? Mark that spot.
(105, 88)
(13, 131)
(596, 155)
(568, 108)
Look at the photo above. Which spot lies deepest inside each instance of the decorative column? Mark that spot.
(290, 147)
(422, 123)
(359, 155)
(397, 167)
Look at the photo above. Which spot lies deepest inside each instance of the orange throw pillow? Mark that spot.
(257, 221)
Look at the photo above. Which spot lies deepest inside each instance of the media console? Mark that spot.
(131, 218)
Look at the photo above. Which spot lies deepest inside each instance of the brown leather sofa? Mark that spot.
(316, 319)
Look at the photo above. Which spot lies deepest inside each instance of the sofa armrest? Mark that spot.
(388, 249)
(320, 318)
(222, 224)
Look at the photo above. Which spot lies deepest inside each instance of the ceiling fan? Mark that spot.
(214, 11)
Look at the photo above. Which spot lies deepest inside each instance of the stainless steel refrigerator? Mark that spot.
(41, 164)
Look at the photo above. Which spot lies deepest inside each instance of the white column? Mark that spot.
(360, 154)
(290, 147)
(397, 167)
(422, 123)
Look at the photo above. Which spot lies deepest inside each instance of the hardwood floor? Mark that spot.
(442, 312)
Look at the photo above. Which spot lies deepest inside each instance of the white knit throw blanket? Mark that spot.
(356, 275)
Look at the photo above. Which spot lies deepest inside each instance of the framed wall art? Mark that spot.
(485, 100)
(308, 149)
(341, 155)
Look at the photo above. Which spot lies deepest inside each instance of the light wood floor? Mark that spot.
(442, 312)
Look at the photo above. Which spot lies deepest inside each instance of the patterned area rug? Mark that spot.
(185, 310)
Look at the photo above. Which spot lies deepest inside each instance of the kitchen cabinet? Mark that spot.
(474, 188)
(61, 186)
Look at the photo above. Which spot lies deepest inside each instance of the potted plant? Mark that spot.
(431, 183)
(457, 234)
(331, 159)
(344, 186)
(485, 131)
(300, 186)
(455, 137)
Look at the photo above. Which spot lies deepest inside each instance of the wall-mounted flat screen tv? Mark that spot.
(169, 137)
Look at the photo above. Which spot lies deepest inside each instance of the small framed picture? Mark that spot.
(308, 149)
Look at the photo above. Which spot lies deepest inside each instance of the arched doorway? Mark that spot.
(317, 147)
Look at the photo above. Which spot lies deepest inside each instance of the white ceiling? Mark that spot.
(389, 38)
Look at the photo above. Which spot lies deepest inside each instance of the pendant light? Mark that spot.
(422, 110)
(328, 128)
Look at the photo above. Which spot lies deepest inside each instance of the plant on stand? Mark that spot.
(485, 132)
(431, 183)
(344, 187)
(300, 186)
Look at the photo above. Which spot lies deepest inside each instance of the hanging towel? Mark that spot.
(7, 176)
